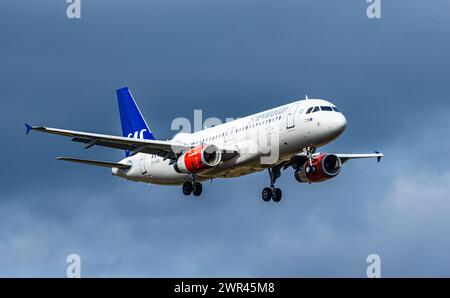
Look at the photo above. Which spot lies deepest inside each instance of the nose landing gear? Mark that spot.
(310, 168)
(272, 192)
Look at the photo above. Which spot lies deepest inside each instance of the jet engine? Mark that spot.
(198, 159)
(324, 166)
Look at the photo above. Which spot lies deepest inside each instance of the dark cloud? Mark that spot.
(229, 58)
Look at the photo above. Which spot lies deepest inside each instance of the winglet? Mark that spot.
(379, 157)
(29, 127)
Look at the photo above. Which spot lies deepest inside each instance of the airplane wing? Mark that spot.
(165, 149)
(301, 158)
(99, 163)
(346, 157)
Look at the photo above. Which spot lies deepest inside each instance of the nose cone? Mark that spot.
(340, 124)
(330, 126)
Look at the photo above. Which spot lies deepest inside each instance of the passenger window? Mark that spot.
(316, 109)
(309, 110)
(324, 108)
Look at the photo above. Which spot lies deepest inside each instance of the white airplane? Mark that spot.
(282, 137)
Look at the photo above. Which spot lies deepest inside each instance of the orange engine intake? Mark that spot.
(198, 159)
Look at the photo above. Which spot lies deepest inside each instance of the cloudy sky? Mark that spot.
(230, 58)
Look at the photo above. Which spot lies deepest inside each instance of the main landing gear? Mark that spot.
(272, 192)
(192, 187)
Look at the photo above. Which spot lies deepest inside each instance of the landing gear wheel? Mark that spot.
(187, 188)
(276, 195)
(197, 189)
(266, 194)
(310, 169)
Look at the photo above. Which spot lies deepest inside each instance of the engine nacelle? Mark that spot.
(198, 159)
(326, 167)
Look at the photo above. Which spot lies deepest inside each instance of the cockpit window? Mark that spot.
(326, 108)
(335, 109)
(316, 109)
(309, 110)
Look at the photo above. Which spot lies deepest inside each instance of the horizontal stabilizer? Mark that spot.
(29, 127)
(96, 162)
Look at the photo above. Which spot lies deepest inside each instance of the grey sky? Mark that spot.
(229, 58)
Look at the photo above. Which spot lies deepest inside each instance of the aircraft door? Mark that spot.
(229, 136)
(290, 119)
(142, 165)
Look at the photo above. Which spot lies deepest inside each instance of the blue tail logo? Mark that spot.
(133, 123)
(139, 134)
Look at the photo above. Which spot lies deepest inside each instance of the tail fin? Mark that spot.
(133, 124)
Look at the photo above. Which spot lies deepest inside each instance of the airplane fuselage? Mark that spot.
(263, 140)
